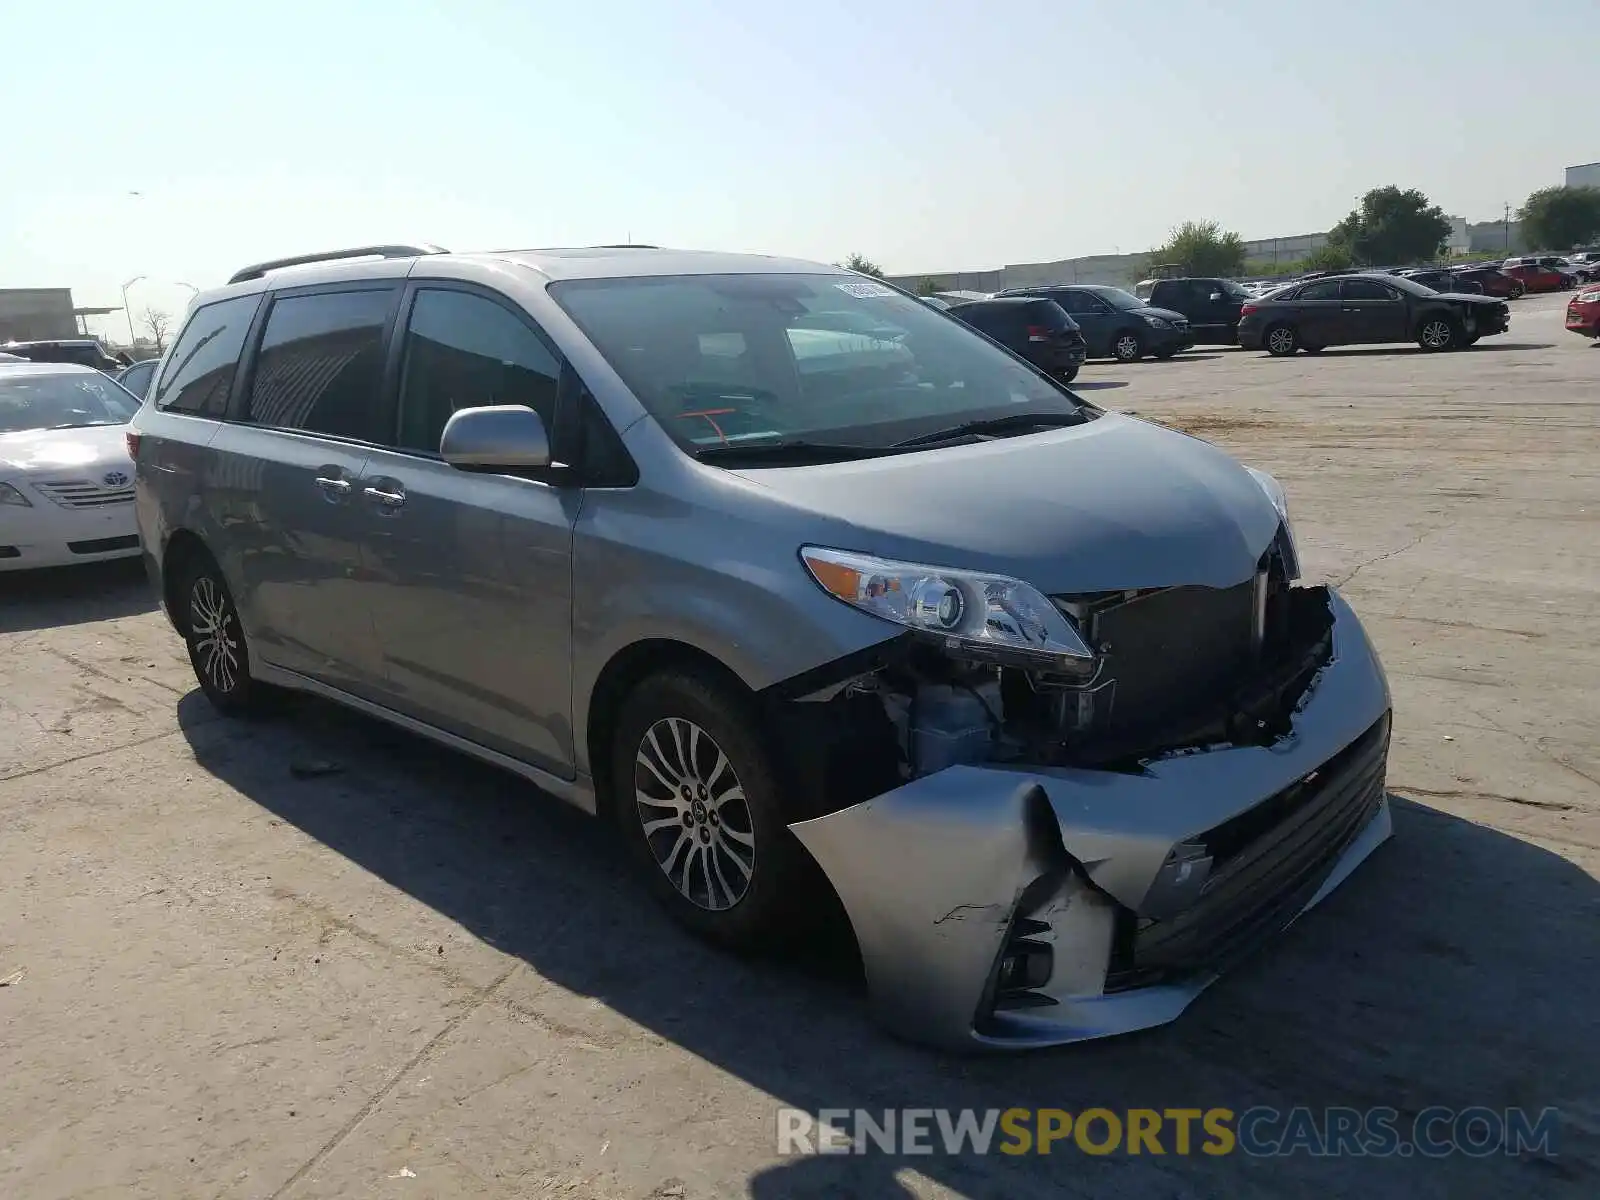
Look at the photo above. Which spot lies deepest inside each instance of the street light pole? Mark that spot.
(128, 312)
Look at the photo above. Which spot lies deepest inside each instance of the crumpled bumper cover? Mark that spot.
(942, 875)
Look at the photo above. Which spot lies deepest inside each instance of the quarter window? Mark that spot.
(466, 351)
(199, 369)
(321, 363)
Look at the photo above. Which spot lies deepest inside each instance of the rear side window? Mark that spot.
(1324, 289)
(466, 351)
(199, 370)
(1371, 289)
(321, 364)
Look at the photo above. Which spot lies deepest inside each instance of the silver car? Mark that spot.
(796, 601)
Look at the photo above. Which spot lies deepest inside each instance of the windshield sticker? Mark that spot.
(864, 289)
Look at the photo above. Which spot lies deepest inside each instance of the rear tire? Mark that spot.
(1127, 346)
(1282, 341)
(1067, 375)
(215, 639)
(1163, 355)
(699, 803)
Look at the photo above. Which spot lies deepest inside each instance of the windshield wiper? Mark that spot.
(795, 449)
(1012, 422)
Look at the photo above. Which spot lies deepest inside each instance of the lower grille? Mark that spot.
(86, 493)
(104, 545)
(1267, 863)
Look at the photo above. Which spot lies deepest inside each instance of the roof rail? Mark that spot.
(257, 270)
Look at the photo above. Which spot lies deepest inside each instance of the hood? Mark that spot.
(1166, 314)
(51, 450)
(1114, 503)
(1471, 297)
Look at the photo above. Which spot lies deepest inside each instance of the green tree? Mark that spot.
(1202, 248)
(1559, 218)
(928, 286)
(1392, 226)
(1332, 257)
(863, 264)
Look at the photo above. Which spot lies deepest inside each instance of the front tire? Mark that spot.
(216, 643)
(1438, 333)
(699, 805)
(1282, 341)
(1127, 346)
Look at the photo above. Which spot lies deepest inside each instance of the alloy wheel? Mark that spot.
(1281, 341)
(694, 813)
(1436, 334)
(214, 628)
(1127, 347)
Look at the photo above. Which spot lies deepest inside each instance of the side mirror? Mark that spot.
(1215, 296)
(496, 437)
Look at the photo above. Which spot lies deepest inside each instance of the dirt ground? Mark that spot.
(317, 958)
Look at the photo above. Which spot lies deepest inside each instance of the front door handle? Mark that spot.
(334, 487)
(387, 499)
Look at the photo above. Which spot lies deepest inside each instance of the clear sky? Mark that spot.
(179, 140)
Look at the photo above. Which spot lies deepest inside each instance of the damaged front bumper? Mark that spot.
(1008, 906)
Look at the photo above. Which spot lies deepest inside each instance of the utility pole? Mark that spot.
(1507, 219)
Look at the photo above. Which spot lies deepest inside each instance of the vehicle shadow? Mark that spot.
(56, 596)
(1452, 970)
(1390, 351)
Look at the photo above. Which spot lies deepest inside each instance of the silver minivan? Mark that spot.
(802, 584)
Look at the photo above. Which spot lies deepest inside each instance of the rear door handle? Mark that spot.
(334, 487)
(385, 498)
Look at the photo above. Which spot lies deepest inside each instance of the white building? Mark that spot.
(1584, 175)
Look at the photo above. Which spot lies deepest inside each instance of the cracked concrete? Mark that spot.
(414, 978)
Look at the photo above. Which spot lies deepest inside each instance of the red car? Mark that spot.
(1493, 280)
(1535, 276)
(1583, 313)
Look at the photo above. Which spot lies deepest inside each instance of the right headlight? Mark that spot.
(10, 495)
(990, 617)
(1280, 501)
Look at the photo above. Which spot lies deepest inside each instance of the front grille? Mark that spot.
(1167, 650)
(1267, 863)
(104, 545)
(86, 493)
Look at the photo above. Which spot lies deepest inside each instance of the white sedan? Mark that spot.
(66, 480)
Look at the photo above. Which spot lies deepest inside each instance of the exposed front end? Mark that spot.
(1073, 857)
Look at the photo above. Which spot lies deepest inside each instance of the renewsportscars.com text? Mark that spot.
(1434, 1132)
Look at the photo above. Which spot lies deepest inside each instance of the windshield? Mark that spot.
(724, 360)
(1407, 284)
(1118, 298)
(1234, 290)
(65, 401)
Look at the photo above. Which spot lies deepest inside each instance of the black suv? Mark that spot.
(86, 352)
(1037, 329)
(1116, 324)
(1212, 306)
